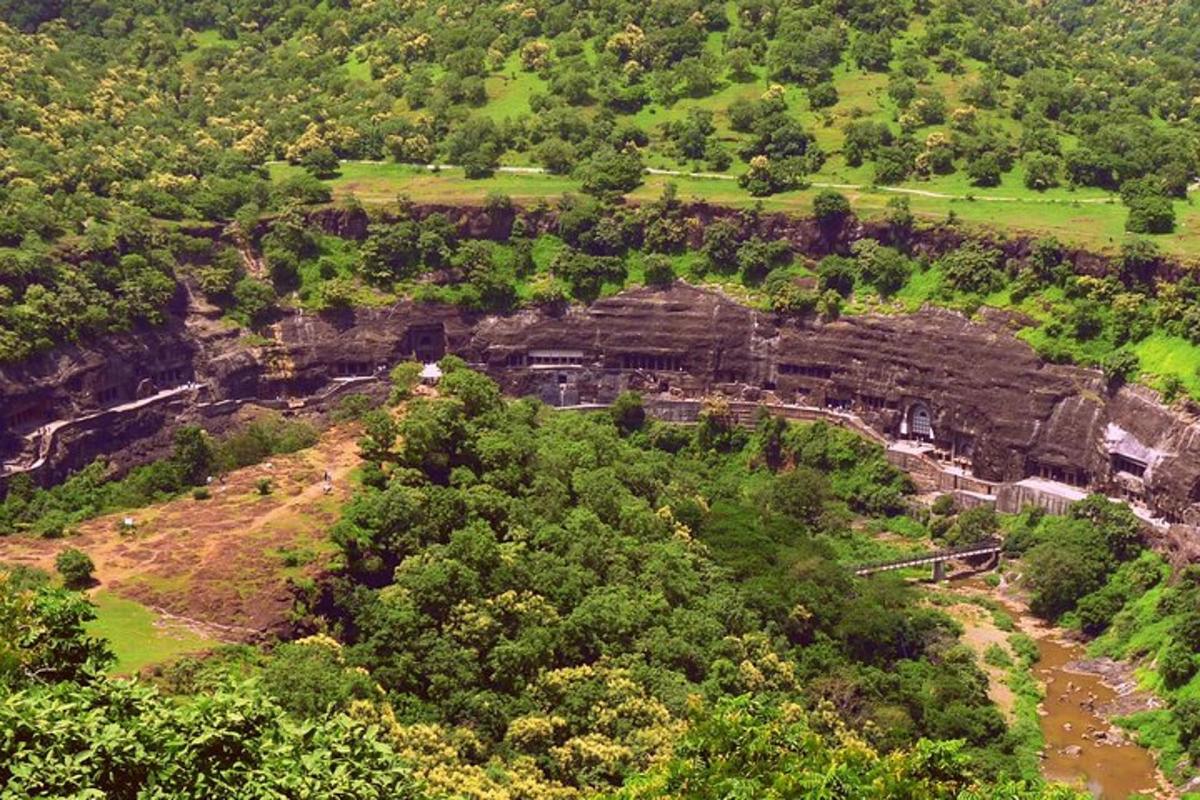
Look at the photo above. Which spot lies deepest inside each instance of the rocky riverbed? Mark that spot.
(1082, 698)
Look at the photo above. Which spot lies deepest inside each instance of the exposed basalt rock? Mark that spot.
(971, 387)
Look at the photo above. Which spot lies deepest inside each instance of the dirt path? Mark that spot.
(222, 563)
(724, 176)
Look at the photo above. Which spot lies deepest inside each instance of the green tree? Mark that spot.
(611, 172)
(310, 678)
(757, 258)
(748, 747)
(559, 157)
(973, 267)
(121, 739)
(1115, 522)
(830, 207)
(404, 377)
(1186, 715)
(1042, 171)
(973, 525)
(1149, 214)
(43, 639)
(720, 246)
(476, 146)
(478, 393)
(379, 436)
(885, 268)
(800, 494)
(193, 454)
(984, 170)
(254, 298)
(1073, 562)
(322, 162)
(75, 567)
(628, 412)
(837, 273)
(823, 95)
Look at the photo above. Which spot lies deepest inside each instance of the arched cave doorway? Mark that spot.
(920, 421)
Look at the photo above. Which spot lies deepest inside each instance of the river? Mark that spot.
(1082, 747)
(1076, 750)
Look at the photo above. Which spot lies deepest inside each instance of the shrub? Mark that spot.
(201, 493)
(1172, 387)
(659, 271)
(1002, 619)
(52, 525)
(997, 656)
(1024, 647)
(944, 505)
(497, 202)
(352, 407)
(271, 435)
(1119, 367)
(1186, 715)
(263, 486)
(75, 567)
(1176, 665)
(254, 298)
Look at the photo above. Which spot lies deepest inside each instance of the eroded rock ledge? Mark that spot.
(971, 388)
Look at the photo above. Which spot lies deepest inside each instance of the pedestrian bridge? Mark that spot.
(938, 558)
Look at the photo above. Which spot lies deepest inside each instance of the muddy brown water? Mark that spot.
(1108, 771)
(1070, 721)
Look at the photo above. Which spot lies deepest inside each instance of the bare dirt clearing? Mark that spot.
(221, 565)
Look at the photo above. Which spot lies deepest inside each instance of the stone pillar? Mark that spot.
(939, 571)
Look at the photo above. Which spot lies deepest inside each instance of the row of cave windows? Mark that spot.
(866, 401)
(163, 379)
(668, 362)
(1082, 478)
(352, 369)
(628, 361)
(806, 370)
(108, 395)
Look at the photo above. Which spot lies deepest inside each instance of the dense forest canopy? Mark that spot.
(175, 107)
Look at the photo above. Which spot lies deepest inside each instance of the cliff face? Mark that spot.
(971, 388)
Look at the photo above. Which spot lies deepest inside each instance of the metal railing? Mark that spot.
(983, 547)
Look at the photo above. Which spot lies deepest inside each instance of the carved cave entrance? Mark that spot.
(426, 343)
(920, 422)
